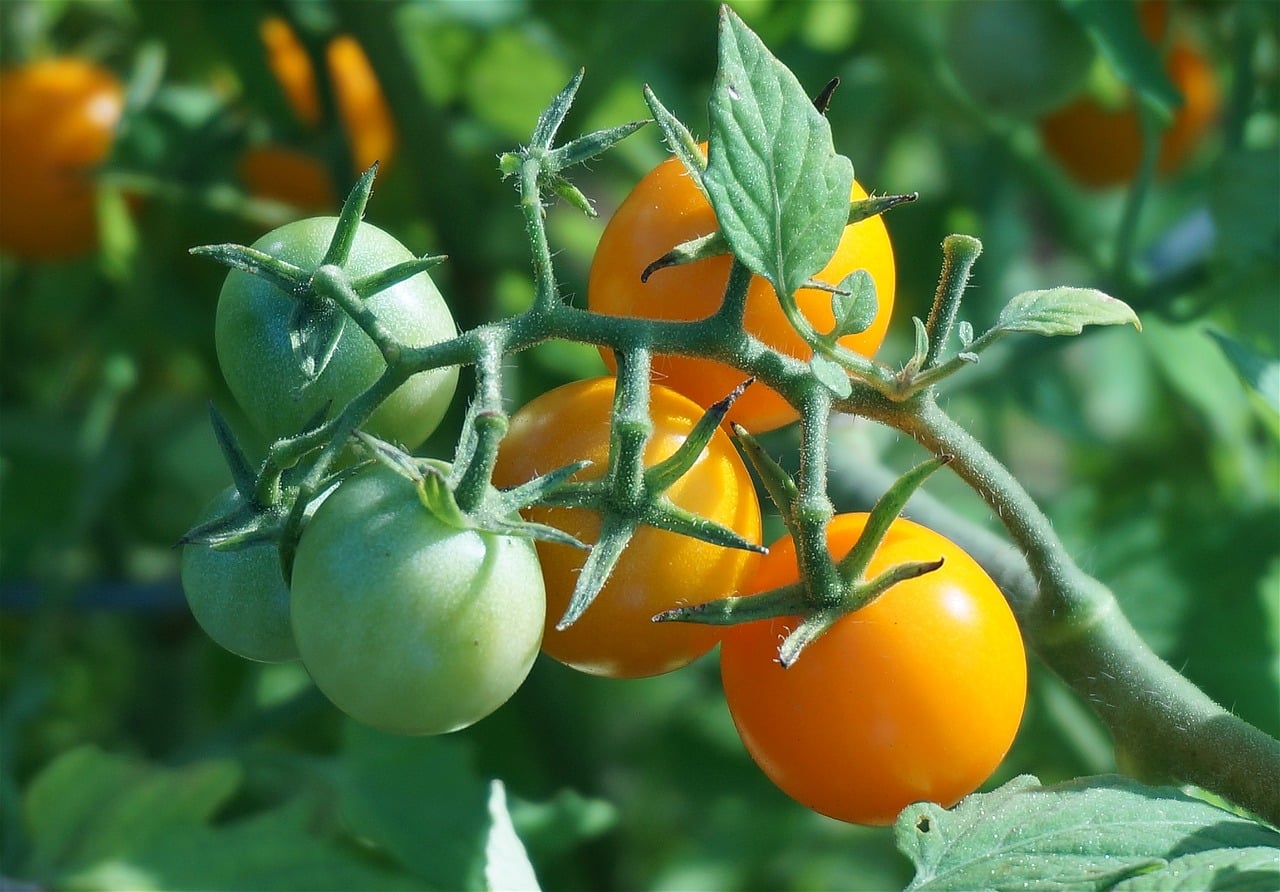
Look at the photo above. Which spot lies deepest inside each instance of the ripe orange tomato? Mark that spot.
(1100, 146)
(294, 176)
(916, 696)
(57, 121)
(658, 570)
(666, 209)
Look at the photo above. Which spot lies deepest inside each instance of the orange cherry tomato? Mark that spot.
(666, 209)
(291, 175)
(57, 121)
(658, 570)
(916, 696)
(1100, 146)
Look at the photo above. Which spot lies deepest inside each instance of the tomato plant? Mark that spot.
(1101, 145)
(616, 637)
(666, 209)
(57, 121)
(405, 622)
(239, 597)
(916, 696)
(295, 176)
(255, 342)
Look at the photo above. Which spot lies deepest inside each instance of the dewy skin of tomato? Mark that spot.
(915, 697)
(616, 637)
(664, 210)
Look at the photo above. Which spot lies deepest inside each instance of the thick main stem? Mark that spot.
(1165, 728)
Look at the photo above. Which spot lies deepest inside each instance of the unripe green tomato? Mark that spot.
(1017, 57)
(266, 377)
(406, 623)
(239, 597)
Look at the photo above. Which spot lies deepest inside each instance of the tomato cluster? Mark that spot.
(416, 612)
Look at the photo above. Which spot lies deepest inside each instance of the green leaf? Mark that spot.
(1064, 311)
(831, 374)
(506, 863)
(1262, 373)
(1085, 834)
(277, 850)
(1116, 31)
(560, 823)
(1254, 869)
(420, 799)
(854, 303)
(780, 191)
(89, 806)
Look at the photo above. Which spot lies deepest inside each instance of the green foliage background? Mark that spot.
(1156, 460)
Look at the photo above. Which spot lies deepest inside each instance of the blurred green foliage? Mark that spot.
(1155, 454)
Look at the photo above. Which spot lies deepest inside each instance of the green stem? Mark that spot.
(1165, 728)
(959, 253)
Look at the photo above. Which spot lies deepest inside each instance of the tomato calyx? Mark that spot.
(550, 163)
(817, 607)
(326, 297)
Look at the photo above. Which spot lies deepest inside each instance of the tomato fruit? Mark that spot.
(257, 359)
(1018, 57)
(616, 637)
(1101, 146)
(57, 122)
(916, 696)
(291, 175)
(406, 623)
(664, 210)
(239, 597)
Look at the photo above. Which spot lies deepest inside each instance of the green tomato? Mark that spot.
(239, 597)
(406, 623)
(1017, 57)
(267, 379)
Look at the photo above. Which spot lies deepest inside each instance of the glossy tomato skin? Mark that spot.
(658, 569)
(405, 623)
(916, 696)
(664, 210)
(57, 122)
(239, 597)
(252, 337)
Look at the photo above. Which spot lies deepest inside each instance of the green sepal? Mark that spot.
(679, 140)
(615, 532)
(822, 101)
(810, 629)
(887, 509)
(671, 517)
(367, 286)
(246, 524)
(572, 194)
(283, 275)
(660, 477)
(780, 486)
(591, 145)
(788, 600)
(344, 233)
(874, 205)
(315, 328)
(544, 132)
(921, 351)
(242, 474)
(712, 244)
